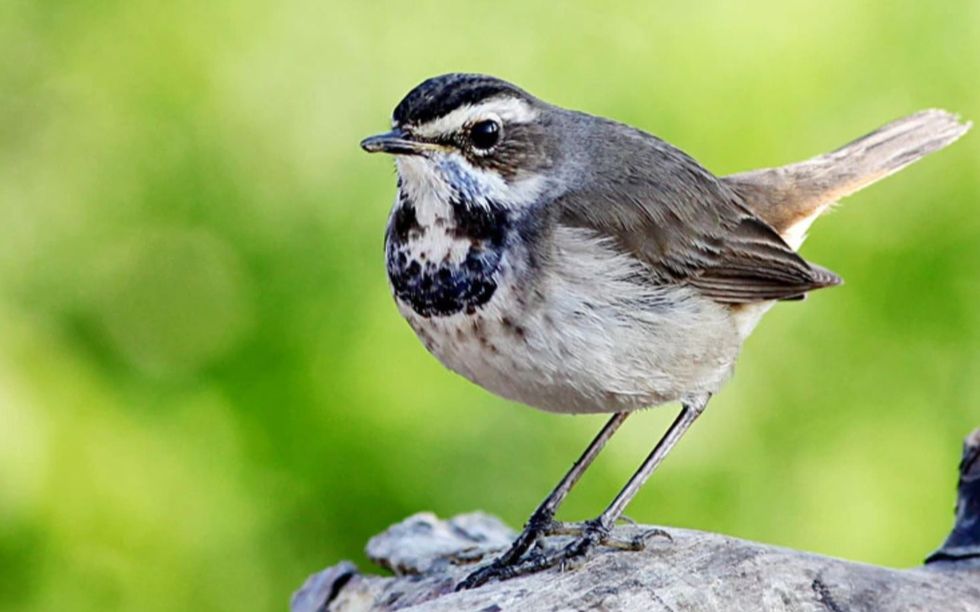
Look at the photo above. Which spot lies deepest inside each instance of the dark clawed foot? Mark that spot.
(635, 543)
(588, 535)
(481, 576)
(500, 568)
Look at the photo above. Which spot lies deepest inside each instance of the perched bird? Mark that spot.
(577, 264)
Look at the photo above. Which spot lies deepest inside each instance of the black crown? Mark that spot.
(438, 96)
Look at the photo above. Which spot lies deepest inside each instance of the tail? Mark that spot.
(791, 197)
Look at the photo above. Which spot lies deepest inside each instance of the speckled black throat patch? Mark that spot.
(443, 288)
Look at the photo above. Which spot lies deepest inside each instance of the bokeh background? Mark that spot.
(206, 393)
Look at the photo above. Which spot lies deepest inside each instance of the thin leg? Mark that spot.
(597, 530)
(543, 517)
(690, 413)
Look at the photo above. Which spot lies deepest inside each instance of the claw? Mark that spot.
(639, 542)
(588, 535)
(537, 526)
(606, 537)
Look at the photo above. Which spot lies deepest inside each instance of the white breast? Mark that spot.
(584, 336)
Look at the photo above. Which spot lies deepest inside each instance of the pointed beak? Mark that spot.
(396, 142)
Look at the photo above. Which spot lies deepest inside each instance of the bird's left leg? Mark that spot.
(542, 521)
(598, 531)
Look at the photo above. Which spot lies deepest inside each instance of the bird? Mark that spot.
(577, 264)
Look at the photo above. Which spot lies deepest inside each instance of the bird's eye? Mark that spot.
(485, 134)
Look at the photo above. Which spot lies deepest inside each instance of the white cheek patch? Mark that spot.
(508, 109)
(438, 178)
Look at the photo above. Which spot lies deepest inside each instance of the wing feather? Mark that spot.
(688, 227)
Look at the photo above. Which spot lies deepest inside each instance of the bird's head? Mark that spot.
(475, 136)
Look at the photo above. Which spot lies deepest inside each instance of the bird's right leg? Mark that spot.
(543, 520)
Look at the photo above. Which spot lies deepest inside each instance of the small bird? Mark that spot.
(580, 265)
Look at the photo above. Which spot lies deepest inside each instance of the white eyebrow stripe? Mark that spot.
(509, 109)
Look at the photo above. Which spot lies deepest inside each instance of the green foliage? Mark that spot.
(206, 392)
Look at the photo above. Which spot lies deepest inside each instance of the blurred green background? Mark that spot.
(206, 392)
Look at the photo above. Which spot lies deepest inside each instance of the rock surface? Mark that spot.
(693, 571)
(690, 571)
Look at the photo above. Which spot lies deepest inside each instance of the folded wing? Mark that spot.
(688, 227)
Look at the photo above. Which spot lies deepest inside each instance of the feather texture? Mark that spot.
(791, 197)
(687, 226)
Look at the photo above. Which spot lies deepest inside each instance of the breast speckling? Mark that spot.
(447, 262)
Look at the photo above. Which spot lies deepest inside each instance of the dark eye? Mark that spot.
(485, 134)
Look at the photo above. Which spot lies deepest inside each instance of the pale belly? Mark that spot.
(583, 337)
